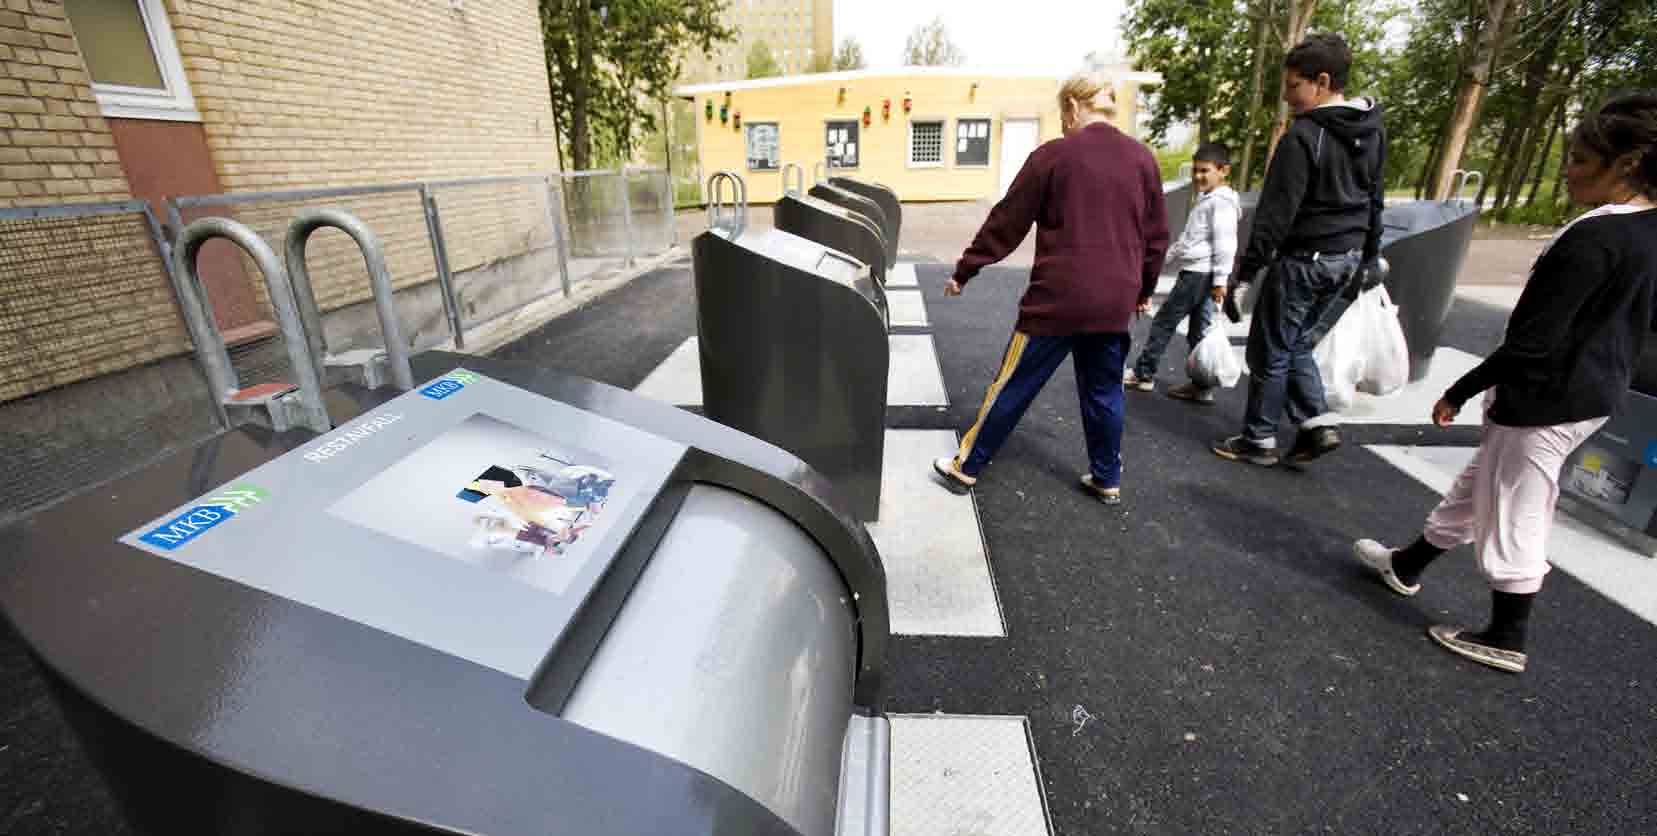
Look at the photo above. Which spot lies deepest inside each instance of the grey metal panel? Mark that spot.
(1177, 198)
(793, 358)
(306, 721)
(840, 229)
(866, 779)
(888, 202)
(735, 654)
(1622, 484)
(862, 206)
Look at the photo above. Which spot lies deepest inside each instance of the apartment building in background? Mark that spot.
(797, 31)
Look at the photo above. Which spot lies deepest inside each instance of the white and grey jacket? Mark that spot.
(1209, 242)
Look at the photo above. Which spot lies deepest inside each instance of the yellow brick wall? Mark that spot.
(310, 95)
(801, 109)
(54, 145)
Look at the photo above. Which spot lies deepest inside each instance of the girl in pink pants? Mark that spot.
(1571, 347)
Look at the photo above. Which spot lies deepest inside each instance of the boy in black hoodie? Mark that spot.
(1316, 229)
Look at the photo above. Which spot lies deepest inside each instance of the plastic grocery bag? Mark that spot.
(1340, 358)
(1212, 362)
(1386, 353)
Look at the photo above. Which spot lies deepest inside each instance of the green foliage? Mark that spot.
(1169, 160)
(821, 63)
(849, 56)
(610, 63)
(762, 63)
(929, 46)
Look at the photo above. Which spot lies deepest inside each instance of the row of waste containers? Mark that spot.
(512, 601)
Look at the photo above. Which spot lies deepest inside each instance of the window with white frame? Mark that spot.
(926, 143)
(972, 142)
(130, 54)
(764, 146)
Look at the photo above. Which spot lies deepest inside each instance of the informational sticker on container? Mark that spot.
(467, 515)
(1651, 454)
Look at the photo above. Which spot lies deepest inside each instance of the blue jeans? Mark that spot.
(1295, 297)
(1028, 363)
(1189, 298)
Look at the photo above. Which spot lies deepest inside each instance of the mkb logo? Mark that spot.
(449, 384)
(212, 511)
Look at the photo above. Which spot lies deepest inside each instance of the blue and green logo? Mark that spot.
(202, 517)
(449, 384)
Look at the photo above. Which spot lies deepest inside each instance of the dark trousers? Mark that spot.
(1189, 299)
(1026, 366)
(1295, 297)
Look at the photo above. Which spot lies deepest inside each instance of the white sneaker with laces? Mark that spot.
(1379, 557)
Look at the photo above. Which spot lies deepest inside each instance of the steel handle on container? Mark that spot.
(1459, 180)
(799, 178)
(716, 199)
(379, 279)
(199, 312)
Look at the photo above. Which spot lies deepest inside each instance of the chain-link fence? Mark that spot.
(91, 376)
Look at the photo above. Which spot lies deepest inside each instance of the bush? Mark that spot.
(1168, 160)
(1540, 213)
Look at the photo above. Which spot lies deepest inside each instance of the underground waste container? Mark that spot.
(508, 602)
(1614, 472)
(864, 206)
(1425, 243)
(839, 229)
(793, 351)
(890, 207)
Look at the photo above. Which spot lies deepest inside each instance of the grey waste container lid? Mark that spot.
(304, 614)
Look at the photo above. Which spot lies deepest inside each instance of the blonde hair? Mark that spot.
(1088, 90)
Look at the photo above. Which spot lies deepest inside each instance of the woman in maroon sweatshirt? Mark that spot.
(1095, 196)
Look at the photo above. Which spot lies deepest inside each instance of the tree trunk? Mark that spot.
(581, 140)
(1431, 164)
(1558, 119)
(1261, 26)
(1504, 150)
(1470, 92)
(1300, 17)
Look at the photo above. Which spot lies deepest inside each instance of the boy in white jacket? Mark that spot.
(1203, 256)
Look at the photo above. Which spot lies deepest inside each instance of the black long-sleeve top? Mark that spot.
(1575, 336)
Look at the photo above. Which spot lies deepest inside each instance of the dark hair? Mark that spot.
(1324, 52)
(1212, 152)
(1627, 123)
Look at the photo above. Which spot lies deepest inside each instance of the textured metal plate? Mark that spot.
(938, 580)
(901, 275)
(907, 307)
(914, 377)
(956, 775)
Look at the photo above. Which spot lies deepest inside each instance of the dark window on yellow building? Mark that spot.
(926, 143)
(972, 142)
(840, 145)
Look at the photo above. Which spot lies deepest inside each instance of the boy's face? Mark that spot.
(1301, 93)
(1207, 176)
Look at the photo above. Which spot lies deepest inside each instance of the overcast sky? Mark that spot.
(1044, 36)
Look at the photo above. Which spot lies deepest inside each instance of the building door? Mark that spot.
(1018, 138)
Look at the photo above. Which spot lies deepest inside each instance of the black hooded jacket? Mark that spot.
(1324, 189)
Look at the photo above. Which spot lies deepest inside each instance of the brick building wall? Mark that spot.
(54, 144)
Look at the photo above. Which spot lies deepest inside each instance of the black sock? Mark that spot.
(1410, 561)
(1509, 616)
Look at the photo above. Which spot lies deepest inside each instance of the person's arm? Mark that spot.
(1155, 226)
(1222, 239)
(1286, 177)
(1567, 274)
(1009, 221)
(1377, 203)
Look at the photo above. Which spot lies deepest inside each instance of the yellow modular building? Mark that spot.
(930, 133)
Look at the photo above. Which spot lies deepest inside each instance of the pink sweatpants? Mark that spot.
(1503, 502)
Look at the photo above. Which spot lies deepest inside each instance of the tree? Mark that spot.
(761, 62)
(850, 56)
(610, 63)
(1290, 34)
(1470, 91)
(1182, 39)
(929, 46)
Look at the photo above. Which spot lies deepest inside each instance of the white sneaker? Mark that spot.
(1379, 557)
(1134, 381)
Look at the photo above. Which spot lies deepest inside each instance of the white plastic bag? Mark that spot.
(1340, 358)
(1386, 353)
(1212, 361)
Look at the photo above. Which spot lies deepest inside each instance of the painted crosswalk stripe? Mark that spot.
(913, 377)
(938, 580)
(902, 274)
(958, 774)
(907, 307)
